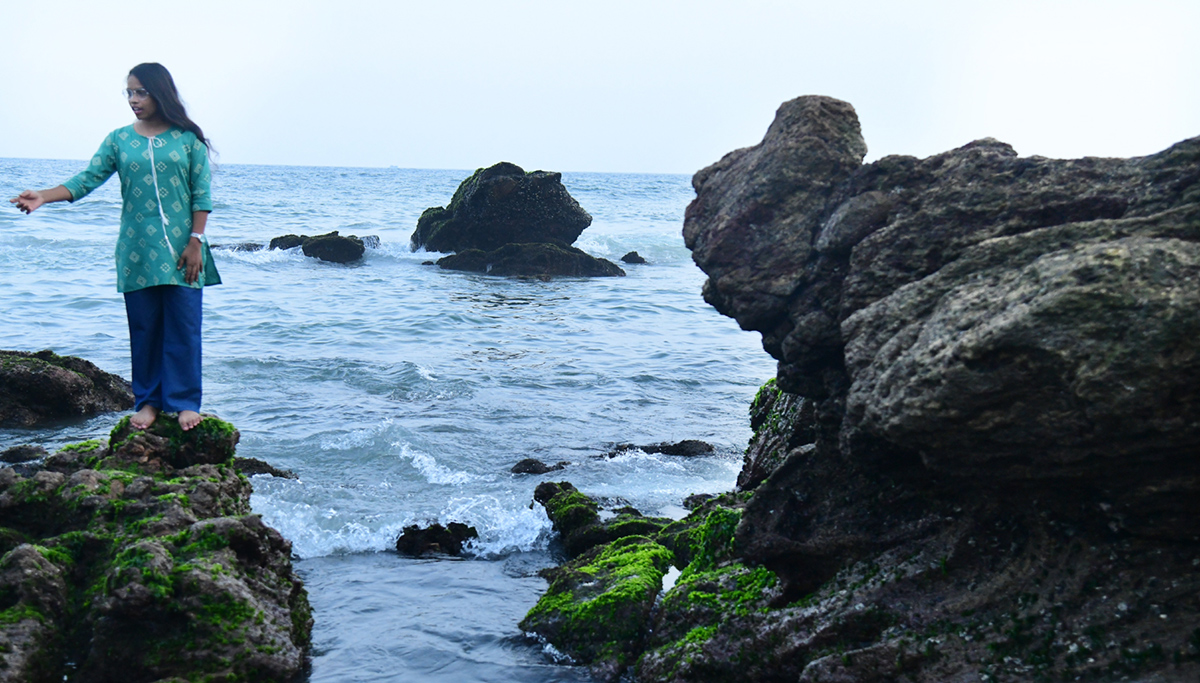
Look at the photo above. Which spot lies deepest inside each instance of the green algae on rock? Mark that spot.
(597, 609)
(141, 561)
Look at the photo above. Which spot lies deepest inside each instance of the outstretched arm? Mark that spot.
(29, 200)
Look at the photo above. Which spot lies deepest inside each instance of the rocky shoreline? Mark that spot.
(139, 560)
(978, 459)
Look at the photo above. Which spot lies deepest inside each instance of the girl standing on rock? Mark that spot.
(163, 259)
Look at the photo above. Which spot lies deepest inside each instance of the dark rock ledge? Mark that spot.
(42, 386)
(139, 560)
(979, 458)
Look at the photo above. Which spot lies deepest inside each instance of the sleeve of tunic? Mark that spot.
(101, 168)
(201, 177)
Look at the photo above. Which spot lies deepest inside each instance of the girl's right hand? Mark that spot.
(28, 201)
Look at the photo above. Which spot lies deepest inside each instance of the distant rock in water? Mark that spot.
(633, 257)
(241, 246)
(686, 448)
(532, 260)
(435, 539)
(35, 387)
(503, 205)
(535, 466)
(331, 246)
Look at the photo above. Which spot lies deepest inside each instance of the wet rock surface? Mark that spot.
(435, 539)
(253, 466)
(535, 466)
(633, 258)
(688, 448)
(139, 560)
(41, 386)
(500, 205)
(331, 246)
(536, 259)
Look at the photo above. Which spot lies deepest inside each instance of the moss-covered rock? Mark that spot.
(576, 517)
(597, 609)
(140, 561)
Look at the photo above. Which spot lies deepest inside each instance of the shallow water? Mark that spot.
(400, 393)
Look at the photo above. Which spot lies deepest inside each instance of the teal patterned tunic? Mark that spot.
(154, 229)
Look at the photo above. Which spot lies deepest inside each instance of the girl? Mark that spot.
(163, 259)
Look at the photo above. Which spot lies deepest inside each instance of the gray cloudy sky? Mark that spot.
(576, 85)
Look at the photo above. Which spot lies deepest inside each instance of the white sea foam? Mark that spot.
(503, 527)
(430, 469)
(357, 438)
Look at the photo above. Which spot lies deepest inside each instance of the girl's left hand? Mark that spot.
(191, 261)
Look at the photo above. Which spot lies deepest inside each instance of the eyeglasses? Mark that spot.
(140, 92)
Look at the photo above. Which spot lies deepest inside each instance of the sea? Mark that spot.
(401, 394)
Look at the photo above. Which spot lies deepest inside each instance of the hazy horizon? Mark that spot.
(650, 87)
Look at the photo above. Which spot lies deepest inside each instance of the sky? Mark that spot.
(641, 86)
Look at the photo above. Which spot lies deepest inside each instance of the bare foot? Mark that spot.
(145, 417)
(189, 419)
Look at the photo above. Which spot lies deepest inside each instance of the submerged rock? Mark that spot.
(687, 448)
(253, 466)
(535, 466)
(501, 205)
(139, 560)
(35, 387)
(531, 260)
(633, 257)
(435, 539)
(331, 246)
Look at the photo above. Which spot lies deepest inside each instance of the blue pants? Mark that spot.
(164, 341)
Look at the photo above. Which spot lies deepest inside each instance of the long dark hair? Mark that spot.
(158, 82)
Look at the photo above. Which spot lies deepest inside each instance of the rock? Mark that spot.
(987, 411)
(35, 387)
(287, 241)
(632, 257)
(598, 606)
(576, 518)
(253, 466)
(784, 425)
(331, 246)
(435, 538)
(535, 466)
(245, 246)
(140, 560)
(503, 205)
(334, 248)
(687, 448)
(23, 453)
(540, 259)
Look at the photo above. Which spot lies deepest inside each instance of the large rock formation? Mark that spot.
(501, 205)
(139, 561)
(35, 387)
(986, 421)
(504, 221)
(979, 458)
